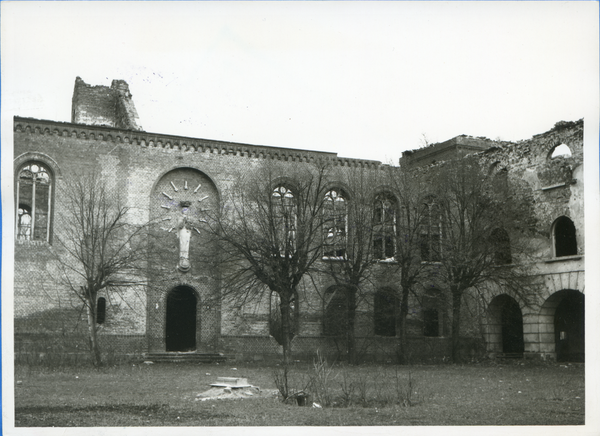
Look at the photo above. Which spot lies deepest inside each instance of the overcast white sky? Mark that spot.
(365, 80)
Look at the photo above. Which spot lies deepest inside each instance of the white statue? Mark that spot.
(24, 224)
(184, 233)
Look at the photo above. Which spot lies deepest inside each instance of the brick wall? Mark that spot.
(139, 166)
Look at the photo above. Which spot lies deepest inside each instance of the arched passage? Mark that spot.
(180, 334)
(569, 328)
(562, 326)
(505, 326)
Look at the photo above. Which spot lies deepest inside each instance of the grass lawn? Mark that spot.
(164, 395)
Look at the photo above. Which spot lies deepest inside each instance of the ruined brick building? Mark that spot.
(156, 173)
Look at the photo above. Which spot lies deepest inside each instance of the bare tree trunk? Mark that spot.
(401, 327)
(456, 305)
(93, 337)
(284, 306)
(350, 336)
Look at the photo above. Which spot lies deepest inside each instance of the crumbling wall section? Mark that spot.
(104, 106)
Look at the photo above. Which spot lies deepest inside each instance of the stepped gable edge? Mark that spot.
(183, 143)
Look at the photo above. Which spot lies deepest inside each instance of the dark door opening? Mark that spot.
(181, 320)
(569, 328)
(512, 327)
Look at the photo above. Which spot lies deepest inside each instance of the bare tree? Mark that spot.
(410, 190)
(269, 230)
(348, 254)
(100, 250)
(472, 210)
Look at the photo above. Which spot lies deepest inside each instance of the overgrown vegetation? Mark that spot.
(325, 384)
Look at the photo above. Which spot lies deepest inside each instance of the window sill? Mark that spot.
(389, 260)
(334, 258)
(31, 243)
(564, 258)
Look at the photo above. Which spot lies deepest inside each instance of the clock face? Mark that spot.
(183, 191)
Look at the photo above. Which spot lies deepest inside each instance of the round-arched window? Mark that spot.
(34, 202)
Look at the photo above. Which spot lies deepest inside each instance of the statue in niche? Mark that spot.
(184, 233)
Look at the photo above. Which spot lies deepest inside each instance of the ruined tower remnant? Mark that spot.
(104, 106)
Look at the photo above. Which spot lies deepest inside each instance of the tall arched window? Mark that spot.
(431, 232)
(34, 202)
(284, 214)
(335, 224)
(565, 239)
(384, 227)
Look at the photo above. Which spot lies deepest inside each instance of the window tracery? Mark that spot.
(34, 202)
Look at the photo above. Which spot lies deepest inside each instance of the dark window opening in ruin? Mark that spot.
(501, 247)
(285, 219)
(569, 328)
(433, 308)
(34, 193)
(335, 313)
(101, 310)
(511, 319)
(565, 240)
(430, 239)
(335, 224)
(560, 150)
(181, 320)
(431, 322)
(384, 227)
(384, 313)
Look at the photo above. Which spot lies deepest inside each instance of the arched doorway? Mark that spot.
(512, 327)
(505, 326)
(569, 333)
(180, 334)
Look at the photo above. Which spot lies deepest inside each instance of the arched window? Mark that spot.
(565, 240)
(34, 202)
(335, 224)
(284, 217)
(335, 312)
(501, 247)
(431, 232)
(384, 313)
(101, 310)
(384, 227)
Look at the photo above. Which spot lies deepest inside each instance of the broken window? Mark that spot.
(284, 217)
(565, 240)
(384, 313)
(431, 233)
(501, 247)
(34, 195)
(384, 227)
(335, 224)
